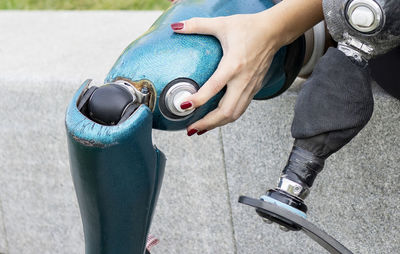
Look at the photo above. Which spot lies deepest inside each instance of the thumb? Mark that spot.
(198, 26)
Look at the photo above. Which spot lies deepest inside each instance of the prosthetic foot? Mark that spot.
(116, 170)
(331, 109)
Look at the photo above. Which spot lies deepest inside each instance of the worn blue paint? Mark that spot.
(117, 175)
(161, 55)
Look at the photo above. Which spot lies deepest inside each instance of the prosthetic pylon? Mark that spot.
(333, 106)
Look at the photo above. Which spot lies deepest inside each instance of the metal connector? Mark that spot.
(293, 188)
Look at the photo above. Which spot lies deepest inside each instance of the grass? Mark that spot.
(84, 4)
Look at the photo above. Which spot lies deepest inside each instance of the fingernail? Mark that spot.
(192, 132)
(202, 132)
(186, 105)
(177, 26)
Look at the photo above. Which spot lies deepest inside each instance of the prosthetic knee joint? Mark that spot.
(116, 170)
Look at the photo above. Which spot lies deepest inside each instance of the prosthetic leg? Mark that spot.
(333, 106)
(116, 170)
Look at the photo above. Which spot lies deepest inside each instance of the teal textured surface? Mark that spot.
(161, 55)
(117, 175)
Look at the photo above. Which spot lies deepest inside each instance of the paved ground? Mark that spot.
(44, 56)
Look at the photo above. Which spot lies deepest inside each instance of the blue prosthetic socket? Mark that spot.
(116, 170)
(117, 174)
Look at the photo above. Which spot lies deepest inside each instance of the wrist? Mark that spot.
(271, 29)
(289, 19)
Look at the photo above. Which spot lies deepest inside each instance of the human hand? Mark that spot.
(249, 43)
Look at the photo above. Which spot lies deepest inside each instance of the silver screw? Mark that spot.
(297, 190)
(145, 90)
(268, 221)
(283, 228)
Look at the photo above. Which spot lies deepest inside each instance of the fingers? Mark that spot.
(214, 84)
(225, 113)
(238, 70)
(244, 103)
(229, 110)
(198, 26)
(223, 73)
(174, 1)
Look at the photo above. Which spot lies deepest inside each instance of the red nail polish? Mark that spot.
(186, 105)
(202, 132)
(192, 132)
(177, 26)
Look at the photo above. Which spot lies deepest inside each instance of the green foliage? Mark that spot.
(84, 4)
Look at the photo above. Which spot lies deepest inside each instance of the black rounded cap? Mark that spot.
(108, 103)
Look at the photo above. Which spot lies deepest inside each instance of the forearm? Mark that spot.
(294, 17)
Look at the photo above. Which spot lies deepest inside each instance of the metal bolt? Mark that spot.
(283, 228)
(268, 221)
(297, 189)
(364, 15)
(176, 95)
(145, 90)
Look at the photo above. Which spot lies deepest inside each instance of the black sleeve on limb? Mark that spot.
(385, 71)
(334, 104)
